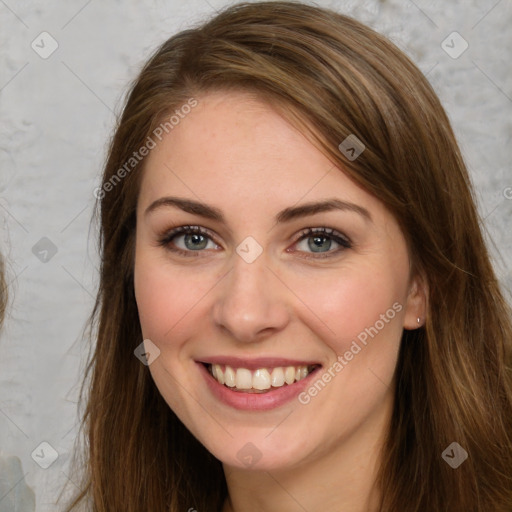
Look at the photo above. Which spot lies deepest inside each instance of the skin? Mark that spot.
(234, 153)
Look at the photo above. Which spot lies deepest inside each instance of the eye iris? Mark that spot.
(318, 243)
(198, 241)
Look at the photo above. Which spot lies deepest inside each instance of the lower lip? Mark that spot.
(255, 401)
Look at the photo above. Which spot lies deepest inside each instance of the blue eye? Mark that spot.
(321, 241)
(194, 241)
(187, 239)
(314, 242)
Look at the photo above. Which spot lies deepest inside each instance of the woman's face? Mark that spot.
(288, 268)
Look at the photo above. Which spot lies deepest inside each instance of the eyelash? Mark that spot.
(329, 233)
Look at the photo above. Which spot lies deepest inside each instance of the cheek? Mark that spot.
(363, 309)
(171, 299)
(350, 301)
(155, 303)
(164, 297)
(167, 301)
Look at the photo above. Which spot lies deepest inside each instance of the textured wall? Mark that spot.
(57, 111)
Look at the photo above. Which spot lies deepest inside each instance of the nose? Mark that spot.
(251, 302)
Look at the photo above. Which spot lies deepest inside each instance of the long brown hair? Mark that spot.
(333, 77)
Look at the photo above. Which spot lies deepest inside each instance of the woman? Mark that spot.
(288, 224)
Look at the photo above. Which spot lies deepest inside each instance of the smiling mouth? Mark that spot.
(261, 380)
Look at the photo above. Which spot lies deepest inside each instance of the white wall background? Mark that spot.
(56, 115)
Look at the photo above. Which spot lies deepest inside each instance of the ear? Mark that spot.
(416, 304)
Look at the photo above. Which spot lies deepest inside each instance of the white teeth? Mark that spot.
(261, 379)
(218, 373)
(289, 375)
(243, 379)
(301, 372)
(229, 376)
(277, 377)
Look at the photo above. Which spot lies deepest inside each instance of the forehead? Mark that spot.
(235, 146)
(237, 132)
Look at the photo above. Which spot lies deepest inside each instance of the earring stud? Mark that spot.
(419, 320)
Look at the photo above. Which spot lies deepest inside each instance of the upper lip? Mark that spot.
(256, 363)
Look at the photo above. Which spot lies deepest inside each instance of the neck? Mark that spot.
(340, 479)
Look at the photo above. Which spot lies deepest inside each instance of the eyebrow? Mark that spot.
(286, 215)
